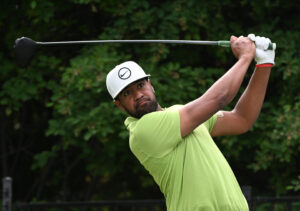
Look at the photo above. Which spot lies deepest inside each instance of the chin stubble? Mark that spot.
(148, 107)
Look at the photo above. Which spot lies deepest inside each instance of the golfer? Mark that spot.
(175, 144)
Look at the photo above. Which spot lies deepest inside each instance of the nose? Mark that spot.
(137, 95)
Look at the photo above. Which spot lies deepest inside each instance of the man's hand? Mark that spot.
(262, 56)
(242, 48)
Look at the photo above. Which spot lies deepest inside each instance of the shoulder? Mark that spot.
(153, 117)
(155, 125)
(155, 133)
(160, 118)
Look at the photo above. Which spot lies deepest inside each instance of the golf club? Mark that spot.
(25, 47)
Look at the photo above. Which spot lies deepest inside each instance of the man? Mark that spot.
(175, 144)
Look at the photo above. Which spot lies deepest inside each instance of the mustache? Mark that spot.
(137, 104)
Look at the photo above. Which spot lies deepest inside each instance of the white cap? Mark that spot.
(123, 75)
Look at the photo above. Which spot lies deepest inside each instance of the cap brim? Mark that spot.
(122, 88)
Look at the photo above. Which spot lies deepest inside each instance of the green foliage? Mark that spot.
(58, 116)
(295, 185)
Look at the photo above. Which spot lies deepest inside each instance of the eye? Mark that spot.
(140, 85)
(126, 93)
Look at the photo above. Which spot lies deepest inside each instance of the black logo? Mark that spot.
(124, 73)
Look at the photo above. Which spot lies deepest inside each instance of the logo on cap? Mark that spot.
(124, 73)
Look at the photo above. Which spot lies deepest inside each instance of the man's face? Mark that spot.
(137, 99)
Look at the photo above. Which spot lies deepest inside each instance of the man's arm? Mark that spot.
(246, 111)
(222, 91)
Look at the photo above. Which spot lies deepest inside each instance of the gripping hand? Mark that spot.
(263, 56)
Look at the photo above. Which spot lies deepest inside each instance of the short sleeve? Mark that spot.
(210, 123)
(157, 133)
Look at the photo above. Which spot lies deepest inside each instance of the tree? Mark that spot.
(59, 126)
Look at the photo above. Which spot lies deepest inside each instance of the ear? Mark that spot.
(119, 105)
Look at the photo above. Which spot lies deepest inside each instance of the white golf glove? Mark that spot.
(263, 55)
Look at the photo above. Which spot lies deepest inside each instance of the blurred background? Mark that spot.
(63, 139)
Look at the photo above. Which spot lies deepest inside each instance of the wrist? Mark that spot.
(265, 65)
(246, 59)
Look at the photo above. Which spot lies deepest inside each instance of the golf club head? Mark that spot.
(24, 49)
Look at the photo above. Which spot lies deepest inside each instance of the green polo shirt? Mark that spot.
(191, 172)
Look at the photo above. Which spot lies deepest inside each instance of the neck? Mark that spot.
(159, 108)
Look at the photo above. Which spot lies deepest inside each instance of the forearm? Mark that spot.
(220, 94)
(250, 103)
(222, 91)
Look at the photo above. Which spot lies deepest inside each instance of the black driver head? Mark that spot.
(24, 49)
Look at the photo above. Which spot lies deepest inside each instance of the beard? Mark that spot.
(147, 107)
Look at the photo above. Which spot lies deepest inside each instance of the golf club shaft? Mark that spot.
(196, 42)
(25, 47)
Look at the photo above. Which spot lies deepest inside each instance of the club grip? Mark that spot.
(225, 43)
(272, 46)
